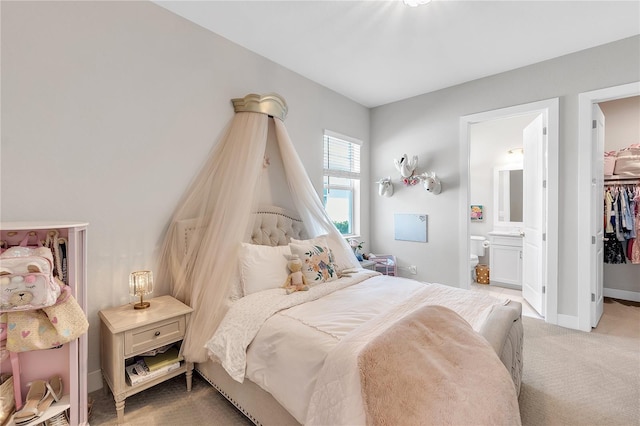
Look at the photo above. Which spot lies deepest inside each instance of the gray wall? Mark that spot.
(109, 109)
(428, 126)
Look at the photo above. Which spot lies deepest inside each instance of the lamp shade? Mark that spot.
(141, 284)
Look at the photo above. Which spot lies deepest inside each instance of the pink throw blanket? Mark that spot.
(432, 368)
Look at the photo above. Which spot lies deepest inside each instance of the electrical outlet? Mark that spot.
(413, 269)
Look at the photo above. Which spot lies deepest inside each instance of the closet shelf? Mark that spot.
(625, 180)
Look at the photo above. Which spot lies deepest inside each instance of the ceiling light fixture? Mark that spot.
(415, 3)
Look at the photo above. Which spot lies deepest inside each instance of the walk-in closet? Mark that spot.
(621, 200)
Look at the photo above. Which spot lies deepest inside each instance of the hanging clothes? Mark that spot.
(622, 224)
(608, 208)
(613, 250)
(635, 247)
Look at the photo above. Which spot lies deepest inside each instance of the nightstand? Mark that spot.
(126, 332)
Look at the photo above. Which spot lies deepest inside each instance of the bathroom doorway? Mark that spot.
(524, 246)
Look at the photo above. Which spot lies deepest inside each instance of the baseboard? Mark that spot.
(568, 321)
(94, 381)
(505, 285)
(614, 293)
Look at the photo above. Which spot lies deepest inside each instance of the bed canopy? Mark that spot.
(221, 199)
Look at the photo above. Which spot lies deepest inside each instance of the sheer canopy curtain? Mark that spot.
(221, 198)
(305, 197)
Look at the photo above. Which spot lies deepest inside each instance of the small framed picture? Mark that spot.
(477, 213)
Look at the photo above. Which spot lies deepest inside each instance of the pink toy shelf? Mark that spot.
(70, 360)
(385, 264)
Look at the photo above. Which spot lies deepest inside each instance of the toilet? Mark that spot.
(478, 245)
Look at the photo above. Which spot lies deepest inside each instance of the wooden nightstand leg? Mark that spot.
(120, 408)
(189, 375)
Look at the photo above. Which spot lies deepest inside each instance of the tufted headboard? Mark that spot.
(272, 226)
(275, 226)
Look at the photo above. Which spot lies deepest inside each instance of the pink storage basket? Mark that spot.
(609, 162)
(628, 161)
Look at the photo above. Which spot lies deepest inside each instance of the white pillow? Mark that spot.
(318, 265)
(341, 259)
(263, 267)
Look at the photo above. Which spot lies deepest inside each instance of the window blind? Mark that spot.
(341, 158)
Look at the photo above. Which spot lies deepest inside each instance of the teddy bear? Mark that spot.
(296, 281)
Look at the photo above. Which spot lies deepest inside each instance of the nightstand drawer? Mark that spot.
(150, 337)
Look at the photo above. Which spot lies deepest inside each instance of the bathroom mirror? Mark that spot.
(507, 196)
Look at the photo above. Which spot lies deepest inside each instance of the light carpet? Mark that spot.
(576, 378)
(570, 378)
(169, 404)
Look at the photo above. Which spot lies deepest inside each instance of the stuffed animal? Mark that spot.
(296, 281)
(406, 166)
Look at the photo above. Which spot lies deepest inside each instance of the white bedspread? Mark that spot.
(245, 317)
(294, 350)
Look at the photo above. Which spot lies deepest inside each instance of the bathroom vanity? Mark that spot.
(505, 261)
(505, 253)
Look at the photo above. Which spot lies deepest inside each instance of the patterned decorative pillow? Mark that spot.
(318, 265)
(341, 258)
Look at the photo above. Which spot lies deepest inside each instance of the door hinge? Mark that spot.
(593, 297)
(544, 237)
(593, 239)
(544, 131)
(544, 183)
(594, 124)
(544, 289)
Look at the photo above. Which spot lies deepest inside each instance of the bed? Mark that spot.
(324, 319)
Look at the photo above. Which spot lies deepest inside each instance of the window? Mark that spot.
(341, 173)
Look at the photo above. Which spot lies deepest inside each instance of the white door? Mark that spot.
(597, 228)
(533, 246)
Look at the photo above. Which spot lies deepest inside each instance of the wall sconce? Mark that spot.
(141, 284)
(515, 156)
(407, 167)
(385, 187)
(518, 151)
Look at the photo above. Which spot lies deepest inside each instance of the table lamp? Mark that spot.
(140, 284)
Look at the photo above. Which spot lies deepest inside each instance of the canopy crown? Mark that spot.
(271, 104)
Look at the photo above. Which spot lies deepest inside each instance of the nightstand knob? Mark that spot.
(157, 333)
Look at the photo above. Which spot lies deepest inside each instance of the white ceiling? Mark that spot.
(377, 52)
